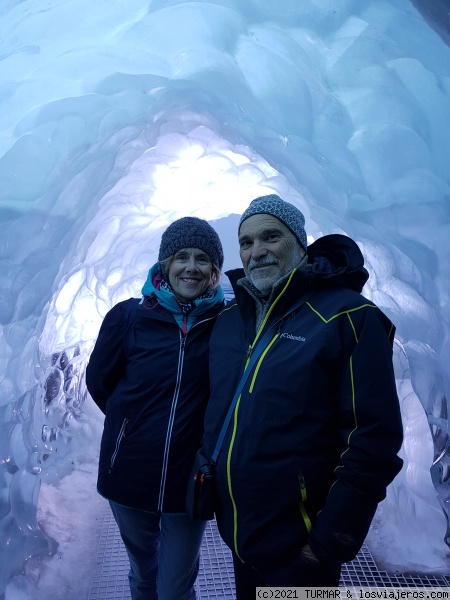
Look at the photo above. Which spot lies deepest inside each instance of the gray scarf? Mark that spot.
(264, 302)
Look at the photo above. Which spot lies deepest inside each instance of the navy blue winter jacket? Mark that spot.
(152, 382)
(314, 437)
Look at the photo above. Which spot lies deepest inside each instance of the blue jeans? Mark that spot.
(163, 550)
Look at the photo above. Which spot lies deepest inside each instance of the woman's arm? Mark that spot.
(107, 361)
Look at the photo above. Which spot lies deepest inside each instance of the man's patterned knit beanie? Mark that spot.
(283, 211)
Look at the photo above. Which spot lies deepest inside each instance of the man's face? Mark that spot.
(268, 249)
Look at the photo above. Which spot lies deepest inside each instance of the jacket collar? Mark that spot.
(168, 300)
(332, 261)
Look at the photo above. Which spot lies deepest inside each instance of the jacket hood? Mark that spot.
(337, 259)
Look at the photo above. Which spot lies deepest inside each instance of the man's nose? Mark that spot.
(258, 250)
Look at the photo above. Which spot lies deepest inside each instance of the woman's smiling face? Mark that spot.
(190, 273)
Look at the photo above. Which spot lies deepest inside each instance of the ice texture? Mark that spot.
(117, 118)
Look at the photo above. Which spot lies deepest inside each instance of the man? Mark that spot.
(313, 441)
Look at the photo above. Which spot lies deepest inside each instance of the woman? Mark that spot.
(148, 373)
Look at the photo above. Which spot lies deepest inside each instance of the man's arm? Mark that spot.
(371, 433)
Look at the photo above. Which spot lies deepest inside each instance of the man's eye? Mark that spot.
(244, 244)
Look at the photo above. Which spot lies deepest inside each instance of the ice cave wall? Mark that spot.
(119, 118)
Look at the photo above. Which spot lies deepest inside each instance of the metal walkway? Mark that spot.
(215, 580)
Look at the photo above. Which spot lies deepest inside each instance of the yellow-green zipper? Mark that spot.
(236, 410)
(304, 496)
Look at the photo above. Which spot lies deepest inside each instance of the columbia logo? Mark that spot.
(297, 338)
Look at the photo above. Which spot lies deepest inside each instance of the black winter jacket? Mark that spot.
(152, 382)
(314, 438)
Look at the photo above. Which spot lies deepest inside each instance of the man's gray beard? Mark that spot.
(262, 287)
(266, 288)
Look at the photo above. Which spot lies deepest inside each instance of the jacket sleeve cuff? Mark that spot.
(342, 525)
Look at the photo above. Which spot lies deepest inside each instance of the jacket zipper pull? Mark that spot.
(184, 324)
(302, 483)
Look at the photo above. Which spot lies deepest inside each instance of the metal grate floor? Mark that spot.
(215, 579)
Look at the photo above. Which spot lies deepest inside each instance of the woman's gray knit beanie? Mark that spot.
(191, 232)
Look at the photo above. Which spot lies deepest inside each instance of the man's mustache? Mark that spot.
(265, 261)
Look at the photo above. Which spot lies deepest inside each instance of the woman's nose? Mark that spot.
(192, 264)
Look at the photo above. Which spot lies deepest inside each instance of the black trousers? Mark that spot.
(299, 572)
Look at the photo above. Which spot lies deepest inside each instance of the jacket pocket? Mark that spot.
(303, 499)
(119, 440)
